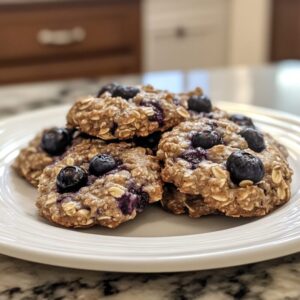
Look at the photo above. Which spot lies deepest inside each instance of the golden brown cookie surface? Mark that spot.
(116, 116)
(255, 180)
(99, 184)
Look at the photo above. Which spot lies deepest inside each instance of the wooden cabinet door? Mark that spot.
(68, 38)
(285, 30)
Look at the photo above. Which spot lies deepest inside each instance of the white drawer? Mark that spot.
(168, 7)
(185, 34)
(187, 48)
(160, 14)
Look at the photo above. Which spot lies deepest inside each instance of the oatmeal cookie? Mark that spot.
(124, 112)
(45, 148)
(99, 184)
(179, 203)
(237, 171)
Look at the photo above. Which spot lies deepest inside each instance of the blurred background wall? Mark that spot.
(53, 39)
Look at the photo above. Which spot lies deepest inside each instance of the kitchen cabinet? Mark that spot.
(58, 39)
(285, 30)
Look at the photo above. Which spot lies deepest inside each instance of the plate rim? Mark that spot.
(174, 264)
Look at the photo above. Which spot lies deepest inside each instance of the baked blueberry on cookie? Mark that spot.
(150, 142)
(99, 184)
(242, 120)
(117, 90)
(123, 112)
(46, 147)
(236, 171)
(199, 105)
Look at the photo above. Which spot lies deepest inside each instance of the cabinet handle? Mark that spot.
(180, 32)
(61, 37)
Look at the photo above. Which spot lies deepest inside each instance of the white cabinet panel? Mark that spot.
(190, 34)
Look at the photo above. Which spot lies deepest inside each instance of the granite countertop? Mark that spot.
(277, 279)
(270, 86)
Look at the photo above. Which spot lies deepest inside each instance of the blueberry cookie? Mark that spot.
(45, 148)
(179, 203)
(99, 184)
(236, 170)
(124, 112)
(199, 105)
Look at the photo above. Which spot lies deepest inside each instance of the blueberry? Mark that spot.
(158, 117)
(101, 164)
(194, 156)
(158, 113)
(151, 141)
(200, 104)
(244, 166)
(71, 179)
(124, 91)
(254, 138)
(142, 202)
(242, 120)
(127, 203)
(56, 140)
(107, 88)
(133, 199)
(206, 139)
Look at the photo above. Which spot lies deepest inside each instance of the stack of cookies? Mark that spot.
(131, 146)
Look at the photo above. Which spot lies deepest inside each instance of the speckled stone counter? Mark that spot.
(277, 279)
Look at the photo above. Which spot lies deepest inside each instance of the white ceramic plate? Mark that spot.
(155, 241)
